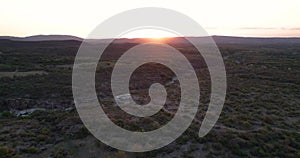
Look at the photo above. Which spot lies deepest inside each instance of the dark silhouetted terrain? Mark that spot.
(260, 118)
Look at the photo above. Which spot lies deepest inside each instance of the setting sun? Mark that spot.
(155, 34)
(157, 39)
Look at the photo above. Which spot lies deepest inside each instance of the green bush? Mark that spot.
(30, 150)
(6, 114)
(5, 152)
(60, 153)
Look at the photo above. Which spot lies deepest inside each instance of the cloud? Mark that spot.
(257, 28)
(295, 28)
(269, 28)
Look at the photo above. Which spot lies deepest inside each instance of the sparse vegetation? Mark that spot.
(260, 118)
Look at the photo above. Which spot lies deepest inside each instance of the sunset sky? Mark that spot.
(264, 18)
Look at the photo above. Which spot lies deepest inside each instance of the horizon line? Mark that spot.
(149, 37)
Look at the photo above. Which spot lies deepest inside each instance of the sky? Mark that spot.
(250, 18)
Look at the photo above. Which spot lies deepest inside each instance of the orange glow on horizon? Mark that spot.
(157, 39)
(150, 34)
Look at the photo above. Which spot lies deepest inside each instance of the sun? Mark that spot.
(154, 35)
(157, 39)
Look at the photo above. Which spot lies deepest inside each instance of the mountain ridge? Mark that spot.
(42, 38)
(217, 38)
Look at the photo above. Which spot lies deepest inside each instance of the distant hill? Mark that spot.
(240, 40)
(256, 40)
(218, 39)
(43, 38)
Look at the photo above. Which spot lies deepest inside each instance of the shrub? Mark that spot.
(6, 114)
(267, 119)
(5, 152)
(60, 153)
(30, 150)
